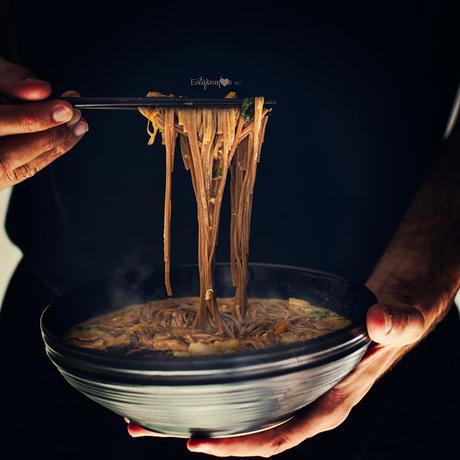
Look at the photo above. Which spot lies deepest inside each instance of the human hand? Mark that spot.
(33, 135)
(392, 329)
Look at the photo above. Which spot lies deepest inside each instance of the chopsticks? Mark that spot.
(132, 103)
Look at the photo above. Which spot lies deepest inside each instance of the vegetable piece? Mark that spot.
(247, 108)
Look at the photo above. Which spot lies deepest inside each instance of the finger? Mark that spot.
(325, 414)
(136, 431)
(70, 93)
(31, 168)
(19, 82)
(389, 325)
(76, 112)
(31, 118)
(20, 149)
(264, 444)
(16, 151)
(76, 118)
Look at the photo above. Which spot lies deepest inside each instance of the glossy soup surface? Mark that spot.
(166, 327)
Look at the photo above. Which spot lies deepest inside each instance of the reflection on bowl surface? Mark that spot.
(210, 395)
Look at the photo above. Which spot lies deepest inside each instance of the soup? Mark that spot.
(166, 327)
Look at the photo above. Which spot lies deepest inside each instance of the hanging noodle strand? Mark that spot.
(213, 142)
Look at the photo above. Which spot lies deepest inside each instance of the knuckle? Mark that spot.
(30, 172)
(276, 446)
(21, 173)
(338, 407)
(58, 150)
(52, 138)
(12, 176)
(29, 123)
(48, 140)
(337, 396)
(4, 169)
(408, 325)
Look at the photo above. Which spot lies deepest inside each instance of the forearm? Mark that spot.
(421, 266)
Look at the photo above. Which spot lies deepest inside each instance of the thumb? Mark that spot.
(19, 82)
(390, 325)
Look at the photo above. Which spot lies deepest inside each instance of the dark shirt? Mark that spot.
(364, 95)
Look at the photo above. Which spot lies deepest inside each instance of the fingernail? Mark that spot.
(62, 113)
(80, 128)
(76, 117)
(388, 320)
(127, 420)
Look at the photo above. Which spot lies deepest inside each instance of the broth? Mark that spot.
(166, 327)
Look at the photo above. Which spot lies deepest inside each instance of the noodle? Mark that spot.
(170, 138)
(212, 143)
(166, 326)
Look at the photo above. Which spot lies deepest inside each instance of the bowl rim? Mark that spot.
(323, 349)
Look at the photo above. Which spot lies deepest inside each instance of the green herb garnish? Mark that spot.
(247, 108)
(217, 171)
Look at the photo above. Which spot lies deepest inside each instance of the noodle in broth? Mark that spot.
(167, 327)
(213, 142)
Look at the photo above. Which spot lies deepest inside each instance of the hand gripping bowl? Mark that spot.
(210, 396)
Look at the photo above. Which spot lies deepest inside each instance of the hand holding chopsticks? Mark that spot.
(36, 130)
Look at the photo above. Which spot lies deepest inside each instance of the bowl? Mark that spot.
(210, 396)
